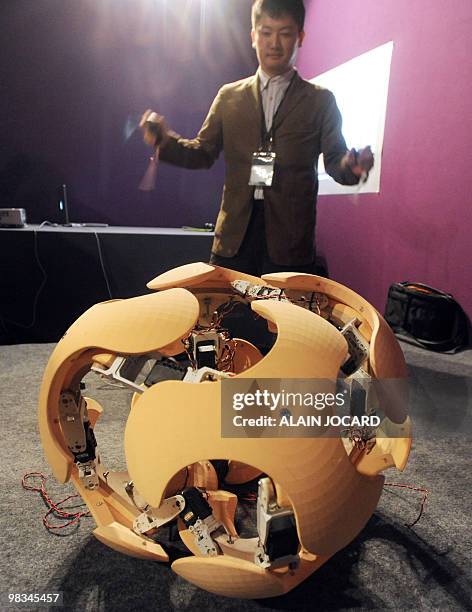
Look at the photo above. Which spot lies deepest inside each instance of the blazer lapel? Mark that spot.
(293, 97)
(254, 97)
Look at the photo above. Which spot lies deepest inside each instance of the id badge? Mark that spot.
(262, 169)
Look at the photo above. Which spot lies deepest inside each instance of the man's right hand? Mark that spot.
(154, 128)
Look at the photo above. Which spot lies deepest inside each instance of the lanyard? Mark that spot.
(267, 137)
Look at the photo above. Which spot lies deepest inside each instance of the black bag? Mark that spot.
(429, 316)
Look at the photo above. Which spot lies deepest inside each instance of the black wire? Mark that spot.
(105, 276)
(38, 292)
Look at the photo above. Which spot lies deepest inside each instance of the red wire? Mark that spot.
(74, 517)
(423, 501)
(54, 508)
(248, 497)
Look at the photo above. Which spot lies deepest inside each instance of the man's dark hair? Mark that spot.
(278, 8)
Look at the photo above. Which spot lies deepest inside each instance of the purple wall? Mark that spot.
(419, 227)
(75, 74)
(72, 74)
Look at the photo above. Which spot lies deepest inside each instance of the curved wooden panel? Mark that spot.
(386, 357)
(126, 541)
(199, 275)
(246, 355)
(307, 346)
(94, 410)
(240, 472)
(134, 326)
(231, 577)
(130, 327)
(183, 276)
(388, 451)
(332, 501)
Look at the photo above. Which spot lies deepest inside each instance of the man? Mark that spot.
(272, 128)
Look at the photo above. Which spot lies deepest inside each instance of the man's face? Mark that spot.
(276, 42)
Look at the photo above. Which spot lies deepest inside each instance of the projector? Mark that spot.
(12, 217)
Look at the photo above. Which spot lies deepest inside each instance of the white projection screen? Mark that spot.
(361, 89)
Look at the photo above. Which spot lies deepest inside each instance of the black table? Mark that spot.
(51, 275)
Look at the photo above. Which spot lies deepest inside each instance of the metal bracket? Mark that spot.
(124, 370)
(358, 348)
(199, 520)
(204, 375)
(72, 416)
(201, 531)
(205, 347)
(258, 292)
(315, 302)
(79, 435)
(362, 402)
(278, 540)
(88, 473)
(156, 517)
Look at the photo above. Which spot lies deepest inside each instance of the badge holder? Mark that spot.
(262, 169)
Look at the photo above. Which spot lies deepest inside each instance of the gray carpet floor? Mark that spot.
(388, 567)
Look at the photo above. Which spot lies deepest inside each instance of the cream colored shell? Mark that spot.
(174, 427)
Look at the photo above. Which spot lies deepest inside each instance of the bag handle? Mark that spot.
(422, 288)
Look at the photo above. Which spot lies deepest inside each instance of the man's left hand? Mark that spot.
(360, 162)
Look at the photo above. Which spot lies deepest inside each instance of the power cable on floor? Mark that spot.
(423, 501)
(55, 508)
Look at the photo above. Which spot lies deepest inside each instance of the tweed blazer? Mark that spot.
(307, 123)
